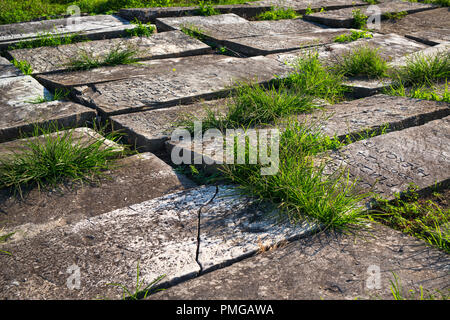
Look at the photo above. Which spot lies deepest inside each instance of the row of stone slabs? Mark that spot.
(168, 82)
(92, 27)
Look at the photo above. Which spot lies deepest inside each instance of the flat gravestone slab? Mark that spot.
(150, 129)
(390, 162)
(301, 5)
(176, 23)
(162, 83)
(7, 69)
(431, 36)
(134, 179)
(373, 113)
(325, 266)
(20, 115)
(93, 27)
(343, 18)
(160, 233)
(158, 46)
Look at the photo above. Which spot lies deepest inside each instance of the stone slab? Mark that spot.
(7, 69)
(301, 5)
(162, 83)
(160, 233)
(389, 163)
(158, 46)
(343, 18)
(175, 23)
(134, 179)
(326, 266)
(431, 36)
(441, 48)
(19, 115)
(93, 27)
(150, 129)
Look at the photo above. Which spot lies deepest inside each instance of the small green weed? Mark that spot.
(49, 40)
(4, 238)
(353, 36)
(433, 93)
(362, 61)
(359, 19)
(193, 31)
(395, 15)
(23, 66)
(206, 9)
(59, 94)
(141, 29)
(277, 13)
(117, 56)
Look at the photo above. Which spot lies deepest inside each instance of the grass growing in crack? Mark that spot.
(141, 29)
(353, 36)
(398, 292)
(23, 66)
(359, 19)
(416, 217)
(395, 15)
(206, 9)
(59, 94)
(49, 40)
(277, 13)
(51, 156)
(198, 175)
(117, 56)
(362, 61)
(300, 188)
(4, 238)
(433, 92)
(141, 291)
(193, 31)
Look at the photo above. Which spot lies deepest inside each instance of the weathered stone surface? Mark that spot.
(135, 179)
(175, 23)
(373, 113)
(431, 36)
(162, 83)
(7, 69)
(150, 129)
(301, 5)
(325, 266)
(93, 27)
(19, 114)
(389, 163)
(160, 233)
(441, 48)
(343, 18)
(158, 46)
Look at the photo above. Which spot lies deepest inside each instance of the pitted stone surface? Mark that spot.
(442, 48)
(19, 114)
(94, 27)
(158, 46)
(389, 163)
(163, 83)
(373, 113)
(160, 233)
(176, 23)
(343, 18)
(150, 129)
(301, 5)
(327, 266)
(7, 69)
(431, 36)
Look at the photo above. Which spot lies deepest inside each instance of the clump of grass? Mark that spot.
(371, 1)
(277, 14)
(443, 3)
(141, 29)
(59, 94)
(206, 9)
(433, 93)
(193, 31)
(23, 66)
(310, 77)
(395, 15)
(422, 219)
(398, 294)
(140, 291)
(51, 156)
(4, 238)
(359, 19)
(301, 189)
(309, 11)
(362, 61)
(117, 56)
(422, 70)
(353, 36)
(49, 40)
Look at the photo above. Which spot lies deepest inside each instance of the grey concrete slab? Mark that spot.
(7, 69)
(160, 233)
(162, 83)
(20, 115)
(389, 163)
(133, 179)
(431, 36)
(326, 266)
(175, 23)
(93, 27)
(301, 5)
(158, 46)
(150, 129)
(343, 18)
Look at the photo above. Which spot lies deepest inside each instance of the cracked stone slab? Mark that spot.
(327, 266)
(160, 233)
(343, 18)
(389, 163)
(133, 179)
(93, 27)
(150, 129)
(7, 69)
(162, 83)
(19, 114)
(158, 46)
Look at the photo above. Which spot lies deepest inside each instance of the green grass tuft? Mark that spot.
(23, 66)
(353, 36)
(359, 19)
(206, 9)
(395, 15)
(59, 94)
(277, 14)
(49, 40)
(362, 61)
(141, 29)
(117, 56)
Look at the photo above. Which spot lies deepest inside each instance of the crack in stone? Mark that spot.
(199, 213)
